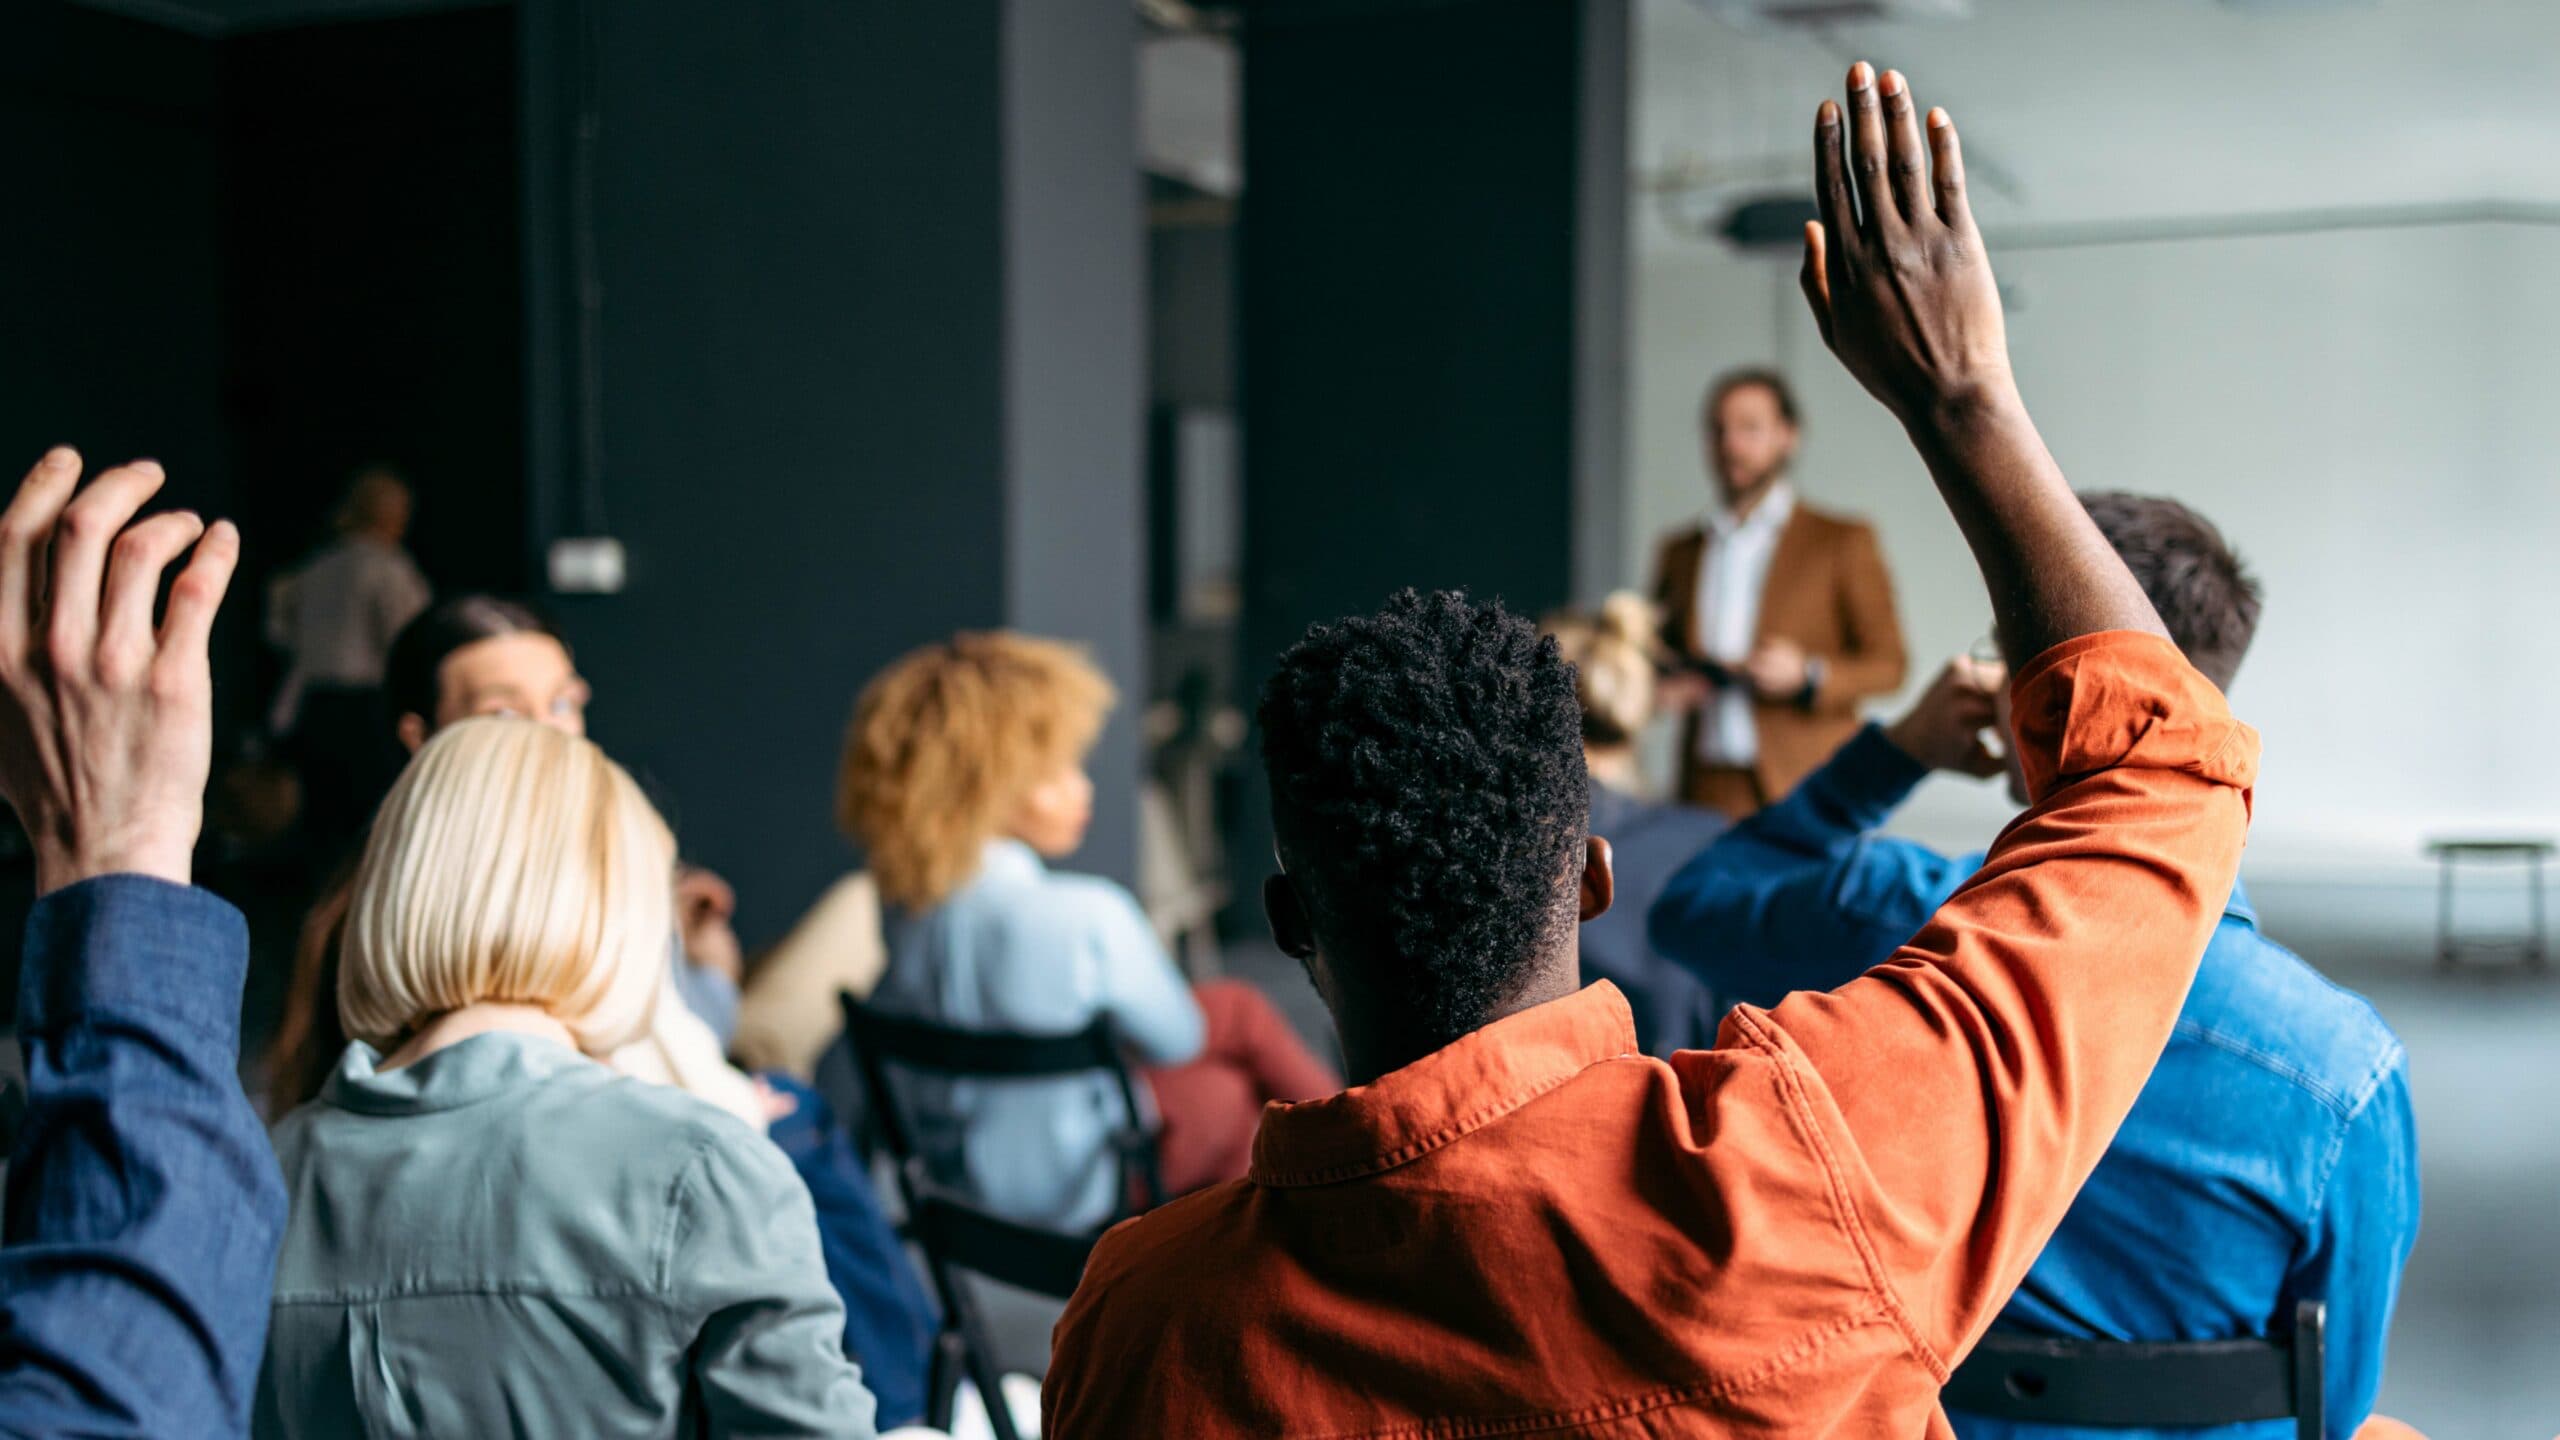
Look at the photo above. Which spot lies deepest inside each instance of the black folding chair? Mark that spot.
(2117, 1384)
(956, 1237)
(880, 1041)
(955, 1234)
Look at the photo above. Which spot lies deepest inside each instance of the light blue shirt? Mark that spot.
(1022, 949)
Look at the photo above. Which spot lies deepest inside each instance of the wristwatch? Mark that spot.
(1815, 668)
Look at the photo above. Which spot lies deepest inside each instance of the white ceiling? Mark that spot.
(227, 17)
(2087, 111)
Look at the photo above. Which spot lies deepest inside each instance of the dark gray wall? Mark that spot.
(1408, 294)
(110, 330)
(111, 326)
(1413, 264)
(869, 369)
(371, 267)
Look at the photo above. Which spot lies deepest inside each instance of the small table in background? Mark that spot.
(2451, 854)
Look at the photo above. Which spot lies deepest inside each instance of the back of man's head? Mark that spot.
(1428, 788)
(2207, 599)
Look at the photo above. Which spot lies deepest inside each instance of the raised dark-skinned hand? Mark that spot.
(1895, 269)
(106, 719)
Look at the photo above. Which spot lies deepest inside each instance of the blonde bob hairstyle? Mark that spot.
(947, 742)
(510, 863)
(1612, 653)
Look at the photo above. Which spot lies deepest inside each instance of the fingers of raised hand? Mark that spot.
(1867, 152)
(187, 629)
(1946, 172)
(126, 643)
(1906, 163)
(89, 525)
(26, 530)
(1831, 195)
(1816, 279)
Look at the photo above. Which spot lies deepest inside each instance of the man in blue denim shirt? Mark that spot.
(144, 1205)
(2271, 1158)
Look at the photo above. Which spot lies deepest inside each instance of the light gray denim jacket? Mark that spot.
(508, 1239)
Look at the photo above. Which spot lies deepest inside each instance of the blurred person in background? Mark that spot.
(1781, 615)
(963, 777)
(647, 1264)
(1612, 652)
(334, 618)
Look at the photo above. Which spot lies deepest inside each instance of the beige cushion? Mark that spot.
(788, 1014)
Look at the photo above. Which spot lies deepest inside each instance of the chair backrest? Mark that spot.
(957, 1233)
(879, 1041)
(2115, 1384)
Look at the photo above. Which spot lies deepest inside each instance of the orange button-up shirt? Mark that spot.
(1539, 1231)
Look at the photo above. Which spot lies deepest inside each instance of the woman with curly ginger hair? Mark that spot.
(963, 776)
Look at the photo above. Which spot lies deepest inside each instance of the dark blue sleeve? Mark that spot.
(2361, 1235)
(889, 1322)
(1803, 895)
(144, 1203)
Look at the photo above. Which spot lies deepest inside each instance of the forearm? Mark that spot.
(1800, 896)
(2052, 577)
(144, 1206)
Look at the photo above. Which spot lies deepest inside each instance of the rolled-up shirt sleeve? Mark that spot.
(1970, 1083)
(144, 1203)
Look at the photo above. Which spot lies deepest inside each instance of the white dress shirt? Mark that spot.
(336, 616)
(1733, 576)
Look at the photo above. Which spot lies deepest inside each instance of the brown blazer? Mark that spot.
(1828, 591)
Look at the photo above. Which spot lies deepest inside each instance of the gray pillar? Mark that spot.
(865, 368)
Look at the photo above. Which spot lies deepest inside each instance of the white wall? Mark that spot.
(2372, 417)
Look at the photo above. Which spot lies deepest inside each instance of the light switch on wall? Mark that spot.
(587, 565)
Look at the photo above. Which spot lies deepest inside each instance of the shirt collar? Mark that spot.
(2240, 909)
(466, 1072)
(1005, 858)
(1444, 1096)
(1773, 512)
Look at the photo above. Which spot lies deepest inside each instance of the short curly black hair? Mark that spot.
(1428, 786)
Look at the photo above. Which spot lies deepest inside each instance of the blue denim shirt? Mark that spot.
(144, 1205)
(2272, 1157)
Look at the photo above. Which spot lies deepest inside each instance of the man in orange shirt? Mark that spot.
(1514, 1223)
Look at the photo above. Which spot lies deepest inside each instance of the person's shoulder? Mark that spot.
(629, 1133)
(2268, 1009)
(1095, 900)
(1155, 1260)
(1676, 541)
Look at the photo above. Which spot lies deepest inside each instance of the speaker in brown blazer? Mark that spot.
(1829, 592)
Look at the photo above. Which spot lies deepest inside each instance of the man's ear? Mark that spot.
(413, 732)
(1287, 913)
(1599, 881)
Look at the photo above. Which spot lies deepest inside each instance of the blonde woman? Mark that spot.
(493, 1232)
(963, 776)
(1612, 651)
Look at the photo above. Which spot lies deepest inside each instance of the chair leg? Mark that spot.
(2444, 914)
(950, 1366)
(2534, 957)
